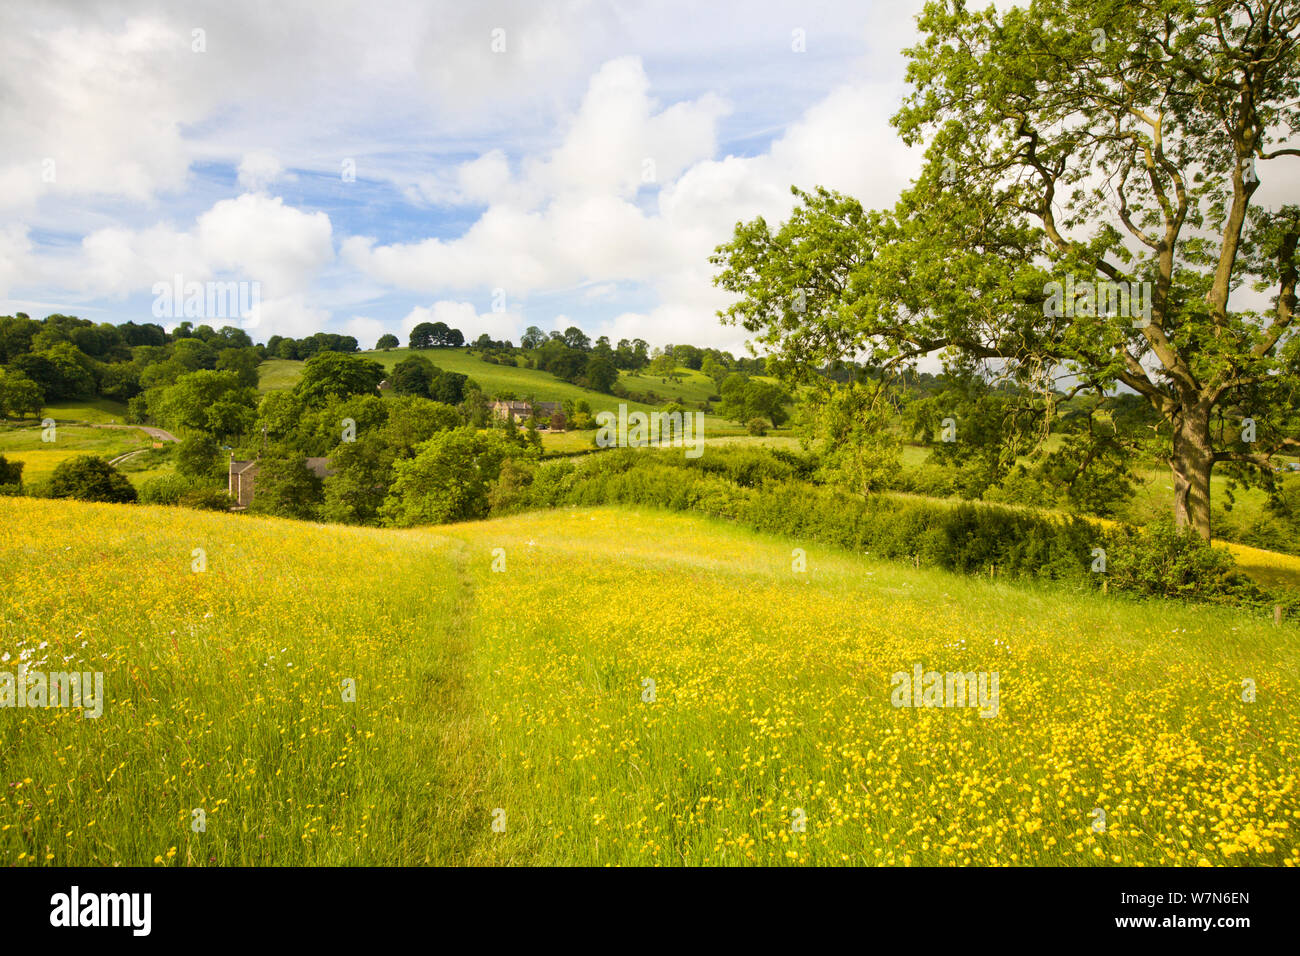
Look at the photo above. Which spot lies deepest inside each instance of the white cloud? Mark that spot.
(259, 169)
(90, 111)
(14, 250)
(276, 244)
(365, 330)
(617, 142)
(289, 315)
(252, 238)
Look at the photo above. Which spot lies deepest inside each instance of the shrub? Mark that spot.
(449, 477)
(165, 489)
(90, 478)
(37, 488)
(1163, 560)
(198, 456)
(756, 426)
(11, 476)
(207, 499)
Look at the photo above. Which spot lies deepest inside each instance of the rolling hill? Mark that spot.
(493, 379)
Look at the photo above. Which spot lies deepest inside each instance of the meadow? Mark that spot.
(636, 688)
(24, 442)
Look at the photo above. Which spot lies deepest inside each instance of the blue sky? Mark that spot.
(574, 162)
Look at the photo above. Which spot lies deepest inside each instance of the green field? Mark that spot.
(636, 687)
(693, 388)
(98, 411)
(493, 379)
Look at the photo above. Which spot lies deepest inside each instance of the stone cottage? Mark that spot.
(522, 411)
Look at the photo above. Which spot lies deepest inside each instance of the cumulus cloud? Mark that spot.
(253, 239)
(365, 330)
(572, 217)
(266, 239)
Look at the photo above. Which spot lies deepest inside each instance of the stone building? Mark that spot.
(522, 411)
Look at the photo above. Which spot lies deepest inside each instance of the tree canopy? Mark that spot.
(1083, 221)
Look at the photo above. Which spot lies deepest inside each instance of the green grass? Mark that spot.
(525, 698)
(98, 411)
(693, 388)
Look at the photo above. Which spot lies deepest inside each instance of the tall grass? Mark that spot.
(524, 691)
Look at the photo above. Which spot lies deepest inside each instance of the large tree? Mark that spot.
(1073, 142)
(335, 375)
(214, 403)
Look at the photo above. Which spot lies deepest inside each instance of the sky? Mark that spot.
(493, 165)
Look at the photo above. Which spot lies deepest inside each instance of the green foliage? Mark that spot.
(336, 375)
(11, 476)
(851, 426)
(90, 478)
(1170, 562)
(1040, 178)
(286, 487)
(600, 374)
(243, 362)
(768, 491)
(363, 469)
(166, 489)
(207, 499)
(449, 478)
(430, 335)
(413, 376)
(63, 372)
(744, 398)
(199, 457)
(19, 395)
(212, 402)
(449, 387)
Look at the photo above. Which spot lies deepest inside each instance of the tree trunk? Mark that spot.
(1191, 463)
